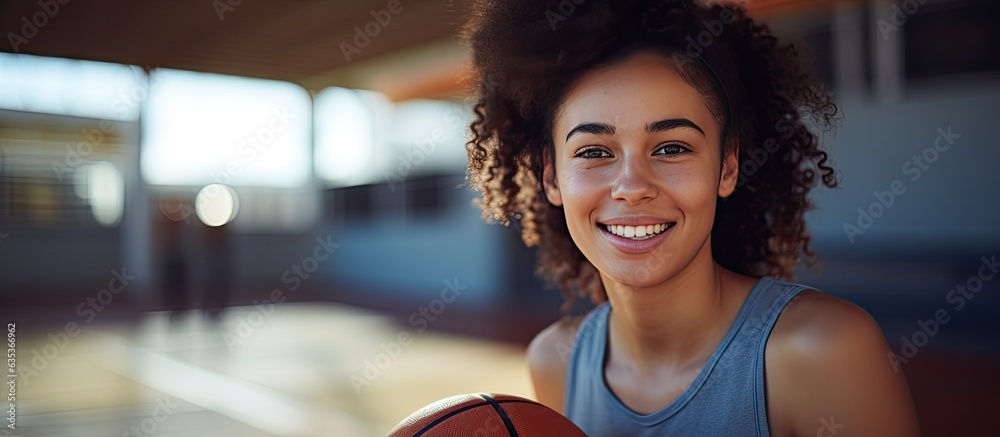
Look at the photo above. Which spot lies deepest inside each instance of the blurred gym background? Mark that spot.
(227, 217)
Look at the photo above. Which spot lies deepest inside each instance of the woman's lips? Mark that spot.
(636, 244)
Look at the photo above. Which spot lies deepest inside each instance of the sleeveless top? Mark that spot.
(725, 399)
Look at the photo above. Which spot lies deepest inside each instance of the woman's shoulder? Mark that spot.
(814, 322)
(550, 348)
(547, 356)
(826, 357)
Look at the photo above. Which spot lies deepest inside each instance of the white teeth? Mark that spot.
(637, 232)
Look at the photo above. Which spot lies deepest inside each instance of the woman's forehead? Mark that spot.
(642, 89)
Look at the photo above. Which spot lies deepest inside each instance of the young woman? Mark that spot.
(657, 154)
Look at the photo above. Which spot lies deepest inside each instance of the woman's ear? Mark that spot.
(730, 170)
(549, 179)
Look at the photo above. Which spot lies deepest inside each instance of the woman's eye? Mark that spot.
(671, 150)
(592, 153)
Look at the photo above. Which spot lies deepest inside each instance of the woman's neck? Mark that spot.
(677, 322)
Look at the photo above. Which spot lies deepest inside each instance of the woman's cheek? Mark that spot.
(690, 190)
(582, 187)
(580, 195)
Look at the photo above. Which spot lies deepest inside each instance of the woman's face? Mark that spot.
(637, 152)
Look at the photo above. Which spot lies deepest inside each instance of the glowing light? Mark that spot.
(216, 205)
(104, 188)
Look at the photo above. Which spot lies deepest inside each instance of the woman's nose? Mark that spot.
(633, 182)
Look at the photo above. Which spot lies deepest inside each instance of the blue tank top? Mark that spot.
(726, 398)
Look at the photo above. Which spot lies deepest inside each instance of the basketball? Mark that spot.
(485, 415)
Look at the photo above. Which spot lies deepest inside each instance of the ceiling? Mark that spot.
(292, 40)
(416, 54)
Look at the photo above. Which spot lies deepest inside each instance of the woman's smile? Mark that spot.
(636, 239)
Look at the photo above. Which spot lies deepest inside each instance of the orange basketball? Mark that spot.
(485, 415)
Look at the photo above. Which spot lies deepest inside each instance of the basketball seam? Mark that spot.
(503, 414)
(438, 421)
(446, 417)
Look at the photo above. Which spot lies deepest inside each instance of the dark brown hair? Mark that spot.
(526, 53)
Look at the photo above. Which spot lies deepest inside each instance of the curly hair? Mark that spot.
(527, 53)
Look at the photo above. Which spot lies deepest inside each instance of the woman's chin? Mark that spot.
(634, 280)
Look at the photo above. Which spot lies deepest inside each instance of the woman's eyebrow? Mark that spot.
(592, 128)
(672, 123)
(656, 126)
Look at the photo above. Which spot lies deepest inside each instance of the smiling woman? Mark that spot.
(616, 138)
(651, 160)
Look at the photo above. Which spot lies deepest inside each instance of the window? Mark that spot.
(200, 129)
